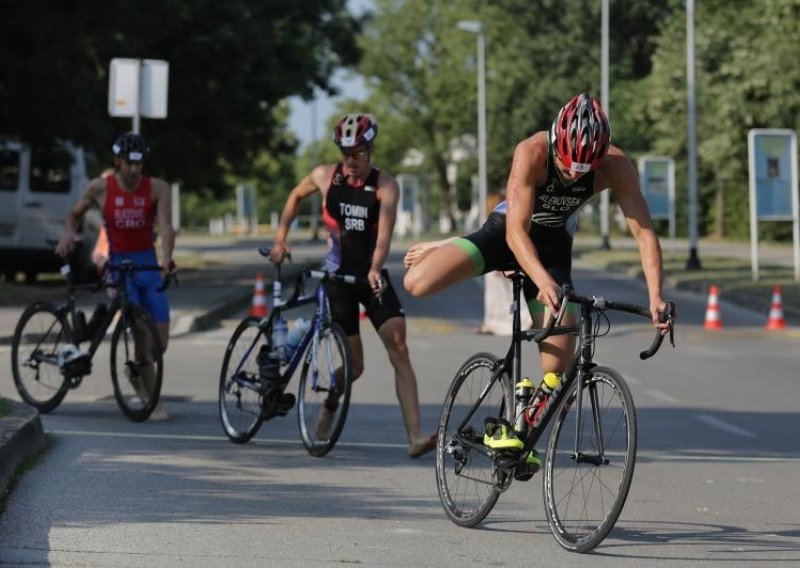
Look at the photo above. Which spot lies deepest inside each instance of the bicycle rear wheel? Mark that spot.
(137, 368)
(39, 335)
(468, 481)
(589, 466)
(240, 389)
(324, 391)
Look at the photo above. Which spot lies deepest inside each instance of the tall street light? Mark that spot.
(604, 99)
(693, 262)
(476, 27)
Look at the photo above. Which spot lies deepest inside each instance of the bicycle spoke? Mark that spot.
(324, 390)
(39, 336)
(587, 476)
(240, 393)
(466, 474)
(136, 363)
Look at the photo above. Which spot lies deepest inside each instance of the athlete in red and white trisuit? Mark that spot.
(131, 203)
(359, 210)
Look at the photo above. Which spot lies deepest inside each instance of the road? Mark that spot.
(715, 479)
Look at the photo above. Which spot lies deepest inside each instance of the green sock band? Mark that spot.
(536, 307)
(473, 253)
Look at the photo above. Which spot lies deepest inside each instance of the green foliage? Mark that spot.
(746, 78)
(231, 63)
(422, 68)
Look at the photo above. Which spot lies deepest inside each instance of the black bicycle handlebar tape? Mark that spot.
(659, 338)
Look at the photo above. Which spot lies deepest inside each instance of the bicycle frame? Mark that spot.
(321, 315)
(578, 369)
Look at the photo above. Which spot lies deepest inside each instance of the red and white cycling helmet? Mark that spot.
(581, 134)
(356, 129)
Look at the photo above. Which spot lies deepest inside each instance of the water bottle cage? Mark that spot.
(533, 412)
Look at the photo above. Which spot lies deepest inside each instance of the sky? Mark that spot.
(307, 119)
(350, 86)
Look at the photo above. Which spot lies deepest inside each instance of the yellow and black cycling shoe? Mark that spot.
(529, 467)
(500, 435)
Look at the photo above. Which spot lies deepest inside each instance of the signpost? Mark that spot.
(772, 157)
(138, 88)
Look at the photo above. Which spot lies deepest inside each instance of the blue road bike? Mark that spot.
(255, 375)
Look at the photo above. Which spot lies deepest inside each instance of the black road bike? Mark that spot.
(47, 360)
(591, 450)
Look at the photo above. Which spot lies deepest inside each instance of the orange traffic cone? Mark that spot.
(712, 311)
(776, 320)
(362, 312)
(259, 306)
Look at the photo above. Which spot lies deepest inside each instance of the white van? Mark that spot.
(37, 190)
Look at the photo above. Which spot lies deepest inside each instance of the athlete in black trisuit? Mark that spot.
(359, 208)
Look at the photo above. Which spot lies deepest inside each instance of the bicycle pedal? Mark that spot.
(529, 467)
(286, 403)
(78, 367)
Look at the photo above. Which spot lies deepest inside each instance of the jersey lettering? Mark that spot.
(351, 215)
(129, 216)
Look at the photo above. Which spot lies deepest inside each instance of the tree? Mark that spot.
(231, 63)
(422, 70)
(745, 80)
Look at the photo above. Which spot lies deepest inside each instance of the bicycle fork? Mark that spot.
(584, 375)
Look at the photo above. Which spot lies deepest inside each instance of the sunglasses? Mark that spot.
(355, 154)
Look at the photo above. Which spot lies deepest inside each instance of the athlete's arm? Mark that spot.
(313, 182)
(528, 168)
(388, 197)
(94, 194)
(163, 197)
(618, 173)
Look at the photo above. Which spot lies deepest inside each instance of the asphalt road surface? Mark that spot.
(715, 481)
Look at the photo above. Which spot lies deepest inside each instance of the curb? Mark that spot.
(21, 437)
(189, 323)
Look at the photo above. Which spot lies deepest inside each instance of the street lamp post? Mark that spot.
(604, 97)
(477, 28)
(693, 262)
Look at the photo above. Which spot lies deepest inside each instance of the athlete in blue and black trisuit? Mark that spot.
(359, 208)
(552, 175)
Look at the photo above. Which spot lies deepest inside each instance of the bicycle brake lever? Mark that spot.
(671, 318)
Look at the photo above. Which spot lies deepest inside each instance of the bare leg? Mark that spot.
(357, 354)
(555, 352)
(393, 335)
(438, 268)
(159, 413)
(325, 421)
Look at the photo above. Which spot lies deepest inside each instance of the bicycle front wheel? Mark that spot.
(136, 363)
(590, 458)
(468, 481)
(325, 384)
(240, 388)
(39, 335)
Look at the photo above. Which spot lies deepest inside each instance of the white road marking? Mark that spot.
(662, 396)
(202, 438)
(651, 456)
(724, 426)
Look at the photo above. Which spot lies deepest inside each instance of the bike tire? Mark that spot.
(327, 370)
(137, 364)
(40, 332)
(467, 478)
(240, 402)
(583, 500)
